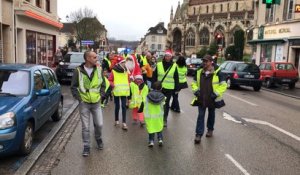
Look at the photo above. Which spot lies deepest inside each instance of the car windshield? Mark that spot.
(14, 82)
(284, 66)
(243, 67)
(74, 58)
(196, 61)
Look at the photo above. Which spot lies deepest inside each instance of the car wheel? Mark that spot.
(229, 84)
(292, 85)
(26, 144)
(256, 88)
(268, 83)
(58, 113)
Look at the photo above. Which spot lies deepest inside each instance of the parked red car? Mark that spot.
(280, 73)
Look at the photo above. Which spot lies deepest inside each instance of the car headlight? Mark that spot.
(7, 120)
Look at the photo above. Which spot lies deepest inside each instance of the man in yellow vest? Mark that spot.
(171, 81)
(209, 86)
(86, 87)
(119, 80)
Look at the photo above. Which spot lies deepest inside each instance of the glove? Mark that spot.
(197, 93)
(213, 96)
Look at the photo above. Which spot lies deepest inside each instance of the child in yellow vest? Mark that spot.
(154, 114)
(138, 92)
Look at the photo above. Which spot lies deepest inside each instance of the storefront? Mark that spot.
(277, 43)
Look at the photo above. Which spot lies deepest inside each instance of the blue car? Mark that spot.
(29, 96)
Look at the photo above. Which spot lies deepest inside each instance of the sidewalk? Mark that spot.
(297, 85)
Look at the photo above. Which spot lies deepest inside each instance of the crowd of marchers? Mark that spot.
(145, 86)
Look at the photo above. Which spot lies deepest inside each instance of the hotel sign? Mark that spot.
(297, 8)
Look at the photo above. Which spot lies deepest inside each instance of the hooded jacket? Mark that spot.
(155, 97)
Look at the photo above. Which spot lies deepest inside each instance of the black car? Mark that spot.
(65, 68)
(241, 73)
(192, 65)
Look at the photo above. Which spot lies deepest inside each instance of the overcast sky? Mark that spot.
(123, 19)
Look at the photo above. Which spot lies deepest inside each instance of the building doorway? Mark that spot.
(297, 56)
(177, 36)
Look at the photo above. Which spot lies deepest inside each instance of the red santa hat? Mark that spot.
(120, 59)
(168, 52)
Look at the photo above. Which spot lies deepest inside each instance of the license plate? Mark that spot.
(249, 76)
(286, 80)
(70, 74)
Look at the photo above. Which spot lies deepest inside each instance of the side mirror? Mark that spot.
(42, 92)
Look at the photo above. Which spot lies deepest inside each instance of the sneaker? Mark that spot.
(151, 144)
(124, 127)
(86, 151)
(117, 123)
(197, 139)
(99, 144)
(209, 133)
(160, 142)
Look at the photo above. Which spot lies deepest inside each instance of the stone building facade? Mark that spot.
(198, 23)
(276, 34)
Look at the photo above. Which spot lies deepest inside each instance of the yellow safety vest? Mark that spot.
(144, 60)
(109, 62)
(154, 116)
(121, 84)
(182, 71)
(137, 96)
(89, 90)
(169, 82)
(218, 87)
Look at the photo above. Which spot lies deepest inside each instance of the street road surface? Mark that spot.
(255, 133)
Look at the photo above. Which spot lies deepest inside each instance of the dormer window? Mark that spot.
(160, 31)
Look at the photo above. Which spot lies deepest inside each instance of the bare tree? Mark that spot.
(87, 25)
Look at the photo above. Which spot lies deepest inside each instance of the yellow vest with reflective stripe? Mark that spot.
(137, 95)
(182, 71)
(89, 90)
(121, 84)
(109, 62)
(169, 82)
(144, 60)
(107, 84)
(154, 116)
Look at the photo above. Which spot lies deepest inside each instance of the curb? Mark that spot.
(33, 157)
(284, 94)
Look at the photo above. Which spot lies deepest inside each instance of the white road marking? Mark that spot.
(273, 126)
(230, 118)
(239, 166)
(233, 96)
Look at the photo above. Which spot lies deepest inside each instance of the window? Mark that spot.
(270, 13)
(288, 9)
(38, 3)
(190, 39)
(266, 53)
(10, 78)
(194, 10)
(49, 78)
(38, 81)
(31, 47)
(207, 8)
(159, 47)
(221, 7)
(268, 67)
(28, 0)
(204, 37)
(237, 6)
(228, 7)
(153, 39)
(152, 46)
(48, 6)
(262, 66)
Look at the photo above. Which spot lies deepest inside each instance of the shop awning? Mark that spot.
(267, 41)
(43, 19)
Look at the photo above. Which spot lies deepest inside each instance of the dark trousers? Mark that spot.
(152, 135)
(117, 108)
(200, 121)
(175, 103)
(168, 95)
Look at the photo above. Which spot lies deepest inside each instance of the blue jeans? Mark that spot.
(117, 108)
(152, 135)
(86, 110)
(200, 121)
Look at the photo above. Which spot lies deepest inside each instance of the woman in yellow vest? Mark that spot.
(119, 80)
(154, 114)
(138, 92)
(182, 72)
